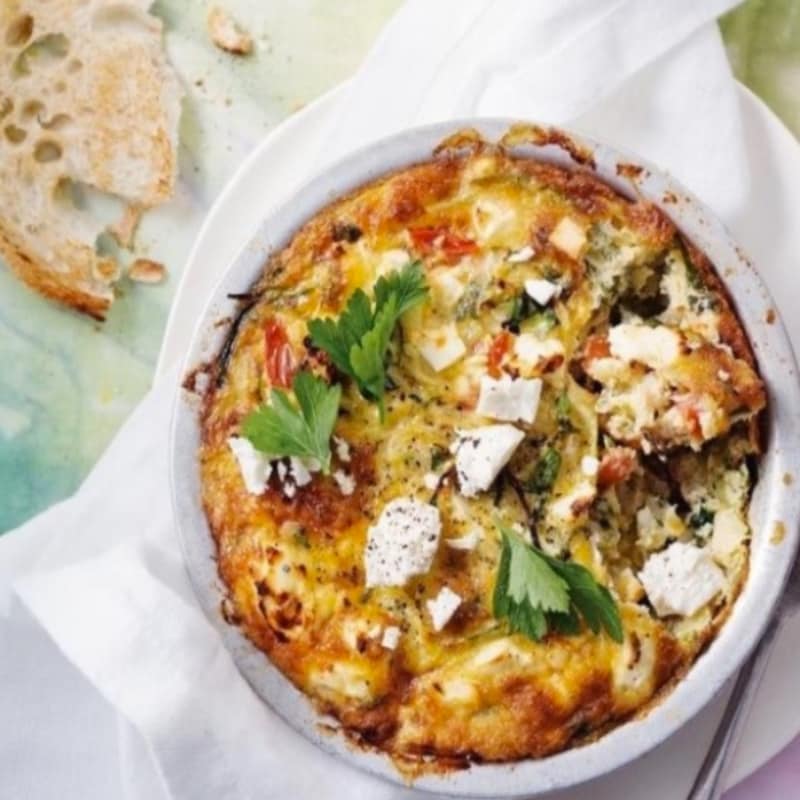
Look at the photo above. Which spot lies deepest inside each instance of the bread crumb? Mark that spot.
(143, 270)
(226, 34)
(124, 230)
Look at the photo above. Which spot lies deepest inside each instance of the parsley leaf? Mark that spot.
(358, 342)
(283, 429)
(537, 593)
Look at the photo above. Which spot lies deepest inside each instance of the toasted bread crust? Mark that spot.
(42, 278)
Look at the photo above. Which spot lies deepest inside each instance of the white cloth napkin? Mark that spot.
(103, 571)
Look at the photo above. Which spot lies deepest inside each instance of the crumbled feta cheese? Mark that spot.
(509, 399)
(443, 347)
(481, 453)
(607, 370)
(391, 260)
(523, 254)
(729, 531)
(569, 237)
(442, 607)
(282, 470)
(542, 291)
(402, 543)
(301, 470)
(656, 523)
(345, 482)
(342, 449)
(723, 375)
(492, 216)
(531, 350)
(289, 489)
(254, 465)
(570, 506)
(656, 347)
(374, 632)
(391, 637)
(589, 466)
(446, 287)
(681, 579)
(430, 480)
(469, 541)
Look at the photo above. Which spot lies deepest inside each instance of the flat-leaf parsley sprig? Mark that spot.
(358, 341)
(536, 593)
(303, 430)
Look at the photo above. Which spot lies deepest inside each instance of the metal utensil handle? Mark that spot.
(708, 783)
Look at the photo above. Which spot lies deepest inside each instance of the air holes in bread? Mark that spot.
(47, 151)
(19, 31)
(14, 134)
(59, 122)
(41, 53)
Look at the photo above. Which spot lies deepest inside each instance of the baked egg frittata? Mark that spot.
(477, 457)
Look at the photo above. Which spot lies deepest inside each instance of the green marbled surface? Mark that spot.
(66, 383)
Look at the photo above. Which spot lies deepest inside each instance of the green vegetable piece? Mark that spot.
(536, 593)
(358, 342)
(546, 471)
(303, 430)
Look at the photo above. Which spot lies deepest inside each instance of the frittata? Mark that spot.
(477, 456)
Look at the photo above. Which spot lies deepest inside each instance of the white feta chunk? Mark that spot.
(541, 291)
(569, 237)
(681, 579)
(481, 453)
(442, 607)
(254, 465)
(589, 466)
(301, 470)
(391, 637)
(430, 480)
(446, 287)
(571, 505)
(509, 399)
(729, 531)
(391, 260)
(531, 350)
(656, 347)
(523, 254)
(491, 217)
(469, 541)
(345, 482)
(402, 543)
(443, 347)
(342, 449)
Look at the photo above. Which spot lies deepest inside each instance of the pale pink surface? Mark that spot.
(778, 779)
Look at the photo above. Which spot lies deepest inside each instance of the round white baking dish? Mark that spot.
(774, 509)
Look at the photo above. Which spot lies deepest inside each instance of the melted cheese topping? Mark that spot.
(580, 322)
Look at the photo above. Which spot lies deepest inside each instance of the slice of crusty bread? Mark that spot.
(87, 98)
